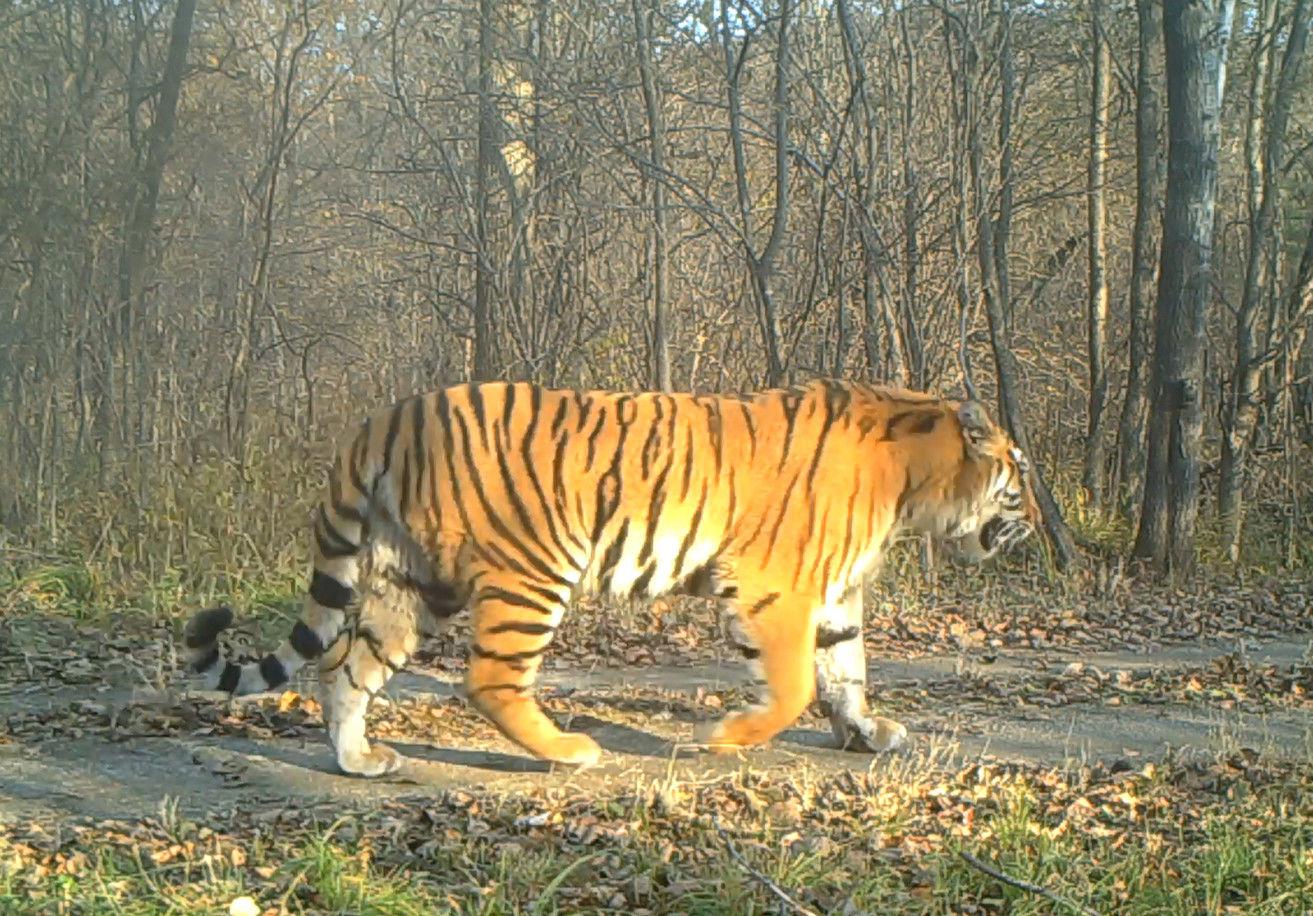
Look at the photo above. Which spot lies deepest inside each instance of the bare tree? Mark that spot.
(656, 138)
(484, 176)
(761, 264)
(144, 192)
(1097, 311)
(1265, 144)
(991, 248)
(1196, 39)
(1148, 180)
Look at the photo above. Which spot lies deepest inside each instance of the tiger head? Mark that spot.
(989, 506)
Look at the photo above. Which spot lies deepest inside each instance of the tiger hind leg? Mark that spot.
(354, 671)
(841, 680)
(514, 621)
(783, 630)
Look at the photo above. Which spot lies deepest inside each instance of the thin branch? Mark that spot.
(770, 885)
(1024, 885)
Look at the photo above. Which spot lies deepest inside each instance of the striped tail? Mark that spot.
(340, 531)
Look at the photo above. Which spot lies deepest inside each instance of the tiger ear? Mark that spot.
(977, 428)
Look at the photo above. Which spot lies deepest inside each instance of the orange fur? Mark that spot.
(512, 499)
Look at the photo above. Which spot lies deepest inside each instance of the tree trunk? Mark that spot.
(761, 266)
(482, 368)
(1148, 181)
(144, 195)
(1265, 142)
(887, 363)
(1097, 315)
(656, 138)
(991, 248)
(1196, 36)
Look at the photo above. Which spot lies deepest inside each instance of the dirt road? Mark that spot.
(109, 748)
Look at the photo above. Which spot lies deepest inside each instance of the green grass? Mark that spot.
(1173, 839)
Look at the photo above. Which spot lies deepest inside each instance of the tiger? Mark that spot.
(511, 499)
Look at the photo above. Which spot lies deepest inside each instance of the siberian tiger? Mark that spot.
(510, 499)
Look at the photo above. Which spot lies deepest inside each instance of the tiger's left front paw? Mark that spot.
(874, 734)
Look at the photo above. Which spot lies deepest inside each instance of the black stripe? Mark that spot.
(331, 542)
(837, 396)
(807, 537)
(526, 444)
(518, 626)
(542, 590)
(502, 452)
(763, 603)
(340, 506)
(493, 517)
(583, 405)
(844, 552)
(826, 639)
(784, 510)
(475, 394)
(328, 592)
(607, 501)
(403, 488)
(375, 647)
(729, 511)
(230, 678)
(826, 425)
(592, 439)
(443, 412)
(305, 641)
(558, 417)
(651, 444)
(389, 442)
(612, 555)
(752, 427)
(903, 496)
(357, 455)
(272, 670)
(654, 511)
(690, 458)
(506, 657)
(558, 484)
(514, 599)
(493, 552)
(644, 579)
(689, 538)
(715, 431)
(419, 450)
(790, 404)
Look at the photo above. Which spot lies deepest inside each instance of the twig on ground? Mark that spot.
(1024, 885)
(774, 888)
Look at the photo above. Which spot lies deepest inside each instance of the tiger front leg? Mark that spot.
(783, 630)
(841, 680)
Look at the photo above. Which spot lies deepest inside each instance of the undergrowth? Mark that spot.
(1184, 836)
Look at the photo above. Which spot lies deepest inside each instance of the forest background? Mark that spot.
(229, 229)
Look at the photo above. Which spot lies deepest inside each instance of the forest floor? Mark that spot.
(1152, 752)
